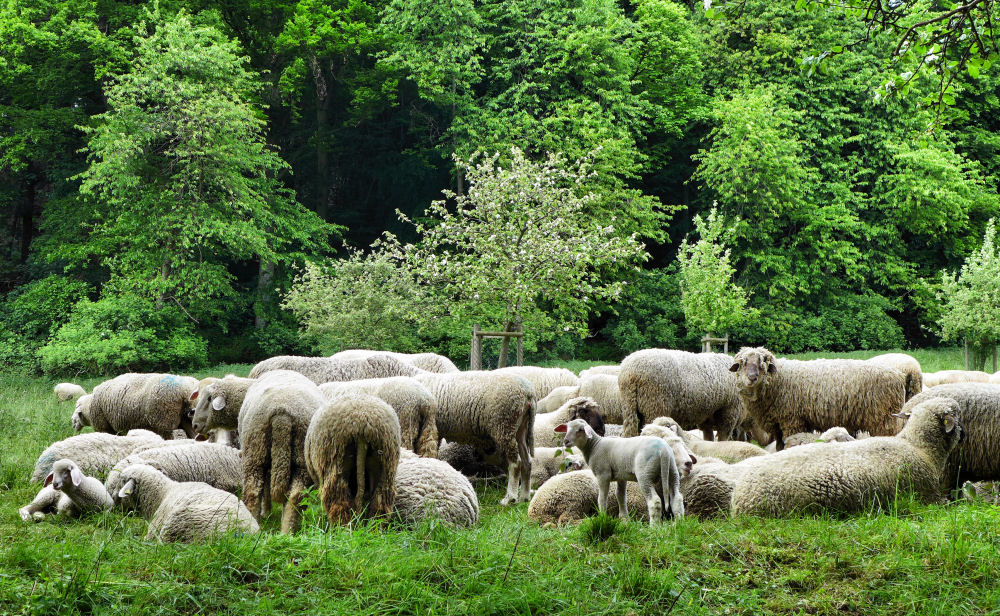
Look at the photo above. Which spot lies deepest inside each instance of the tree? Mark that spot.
(518, 245)
(181, 180)
(712, 302)
(970, 300)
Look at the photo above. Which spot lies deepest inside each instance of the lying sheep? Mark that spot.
(906, 364)
(836, 434)
(181, 511)
(544, 380)
(850, 477)
(473, 460)
(217, 465)
(944, 377)
(571, 497)
(327, 369)
(489, 409)
(71, 493)
(603, 389)
(574, 408)
(727, 451)
(352, 450)
(693, 388)
(95, 453)
(415, 407)
(995, 378)
(155, 402)
(550, 461)
(556, 398)
(431, 362)
(426, 486)
(613, 370)
(68, 391)
(614, 430)
(785, 396)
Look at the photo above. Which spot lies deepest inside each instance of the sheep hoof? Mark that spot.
(508, 500)
(38, 516)
(25, 516)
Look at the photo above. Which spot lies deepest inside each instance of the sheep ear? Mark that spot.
(48, 480)
(76, 476)
(127, 489)
(219, 402)
(772, 367)
(194, 395)
(560, 428)
(949, 423)
(901, 415)
(694, 460)
(589, 431)
(735, 367)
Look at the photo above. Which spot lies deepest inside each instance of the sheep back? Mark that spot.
(95, 452)
(603, 389)
(217, 465)
(544, 380)
(327, 369)
(155, 402)
(908, 365)
(425, 485)
(431, 362)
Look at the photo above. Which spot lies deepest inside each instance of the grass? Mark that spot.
(912, 559)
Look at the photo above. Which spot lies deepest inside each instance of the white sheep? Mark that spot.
(556, 398)
(544, 380)
(68, 391)
(908, 365)
(550, 461)
(327, 369)
(182, 511)
(613, 370)
(570, 497)
(427, 486)
(574, 408)
(217, 465)
(945, 377)
(155, 402)
(603, 389)
(431, 362)
(95, 453)
(727, 451)
(71, 493)
(81, 412)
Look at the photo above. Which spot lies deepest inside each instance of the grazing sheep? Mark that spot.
(155, 402)
(613, 370)
(648, 461)
(217, 465)
(68, 391)
(603, 389)
(431, 362)
(95, 453)
(849, 477)
(906, 364)
(727, 451)
(181, 511)
(327, 369)
(546, 464)
(574, 408)
(693, 388)
(556, 398)
(71, 493)
(81, 412)
(352, 450)
(976, 458)
(217, 402)
(273, 421)
(425, 485)
(473, 460)
(544, 380)
(489, 410)
(944, 377)
(785, 396)
(414, 405)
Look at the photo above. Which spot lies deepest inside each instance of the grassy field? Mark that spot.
(911, 559)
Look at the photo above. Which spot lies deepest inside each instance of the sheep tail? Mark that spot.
(359, 497)
(254, 454)
(673, 505)
(281, 457)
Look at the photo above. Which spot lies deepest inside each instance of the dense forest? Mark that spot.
(167, 169)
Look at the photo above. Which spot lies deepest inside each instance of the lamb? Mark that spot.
(546, 464)
(603, 389)
(544, 380)
(489, 410)
(71, 493)
(944, 377)
(182, 511)
(414, 405)
(430, 362)
(352, 451)
(217, 465)
(95, 453)
(273, 421)
(849, 477)
(425, 485)
(574, 408)
(613, 370)
(693, 388)
(906, 364)
(727, 451)
(647, 460)
(785, 396)
(81, 412)
(556, 398)
(68, 391)
(155, 402)
(327, 369)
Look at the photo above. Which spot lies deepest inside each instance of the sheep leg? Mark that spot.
(622, 504)
(291, 510)
(256, 458)
(654, 505)
(603, 484)
(45, 500)
(359, 469)
(525, 459)
(513, 478)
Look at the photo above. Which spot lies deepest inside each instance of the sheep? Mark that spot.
(944, 377)
(472, 460)
(906, 364)
(326, 369)
(71, 493)
(995, 378)
(217, 465)
(414, 405)
(786, 396)
(544, 380)
(549, 462)
(568, 498)
(574, 408)
(181, 510)
(81, 412)
(727, 451)
(352, 451)
(68, 391)
(489, 409)
(217, 402)
(155, 402)
(849, 477)
(603, 389)
(975, 459)
(95, 453)
(430, 362)
(613, 370)
(836, 434)
(693, 388)
(556, 398)
(273, 421)
(425, 485)
(614, 430)
(647, 460)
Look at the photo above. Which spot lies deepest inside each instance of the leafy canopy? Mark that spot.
(971, 298)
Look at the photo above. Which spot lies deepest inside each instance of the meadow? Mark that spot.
(907, 559)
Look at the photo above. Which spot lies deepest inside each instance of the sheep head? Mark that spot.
(753, 366)
(934, 421)
(64, 471)
(587, 410)
(81, 413)
(207, 398)
(578, 434)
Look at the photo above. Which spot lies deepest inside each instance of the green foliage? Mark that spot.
(31, 313)
(649, 315)
(123, 333)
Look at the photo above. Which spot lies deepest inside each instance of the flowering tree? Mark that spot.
(519, 245)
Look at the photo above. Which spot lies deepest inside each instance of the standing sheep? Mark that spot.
(785, 396)
(155, 402)
(944, 377)
(425, 485)
(68, 391)
(217, 465)
(217, 402)
(95, 453)
(81, 412)
(414, 405)
(352, 451)
(544, 380)
(692, 388)
(327, 369)
(613, 370)
(603, 389)
(906, 364)
(489, 408)
(849, 477)
(430, 362)
(71, 493)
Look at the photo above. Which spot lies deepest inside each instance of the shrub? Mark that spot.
(31, 314)
(650, 315)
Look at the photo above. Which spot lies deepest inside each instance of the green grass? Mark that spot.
(915, 559)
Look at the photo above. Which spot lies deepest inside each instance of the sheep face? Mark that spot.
(207, 398)
(753, 366)
(578, 433)
(81, 414)
(587, 410)
(64, 472)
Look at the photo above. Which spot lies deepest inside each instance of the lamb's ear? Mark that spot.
(76, 475)
(560, 428)
(219, 402)
(589, 431)
(735, 367)
(48, 480)
(127, 489)
(949, 423)
(194, 395)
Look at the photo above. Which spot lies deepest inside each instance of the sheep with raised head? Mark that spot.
(217, 402)
(95, 453)
(67, 491)
(427, 486)
(155, 402)
(727, 451)
(327, 369)
(68, 391)
(216, 464)
(352, 451)
(430, 362)
(574, 408)
(785, 396)
(544, 380)
(908, 365)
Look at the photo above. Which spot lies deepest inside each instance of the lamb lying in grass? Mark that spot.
(67, 491)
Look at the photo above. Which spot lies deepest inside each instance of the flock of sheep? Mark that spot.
(390, 434)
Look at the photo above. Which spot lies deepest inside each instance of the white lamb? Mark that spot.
(67, 491)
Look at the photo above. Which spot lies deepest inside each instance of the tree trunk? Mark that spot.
(165, 269)
(265, 295)
(27, 220)
(322, 161)
(504, 347)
